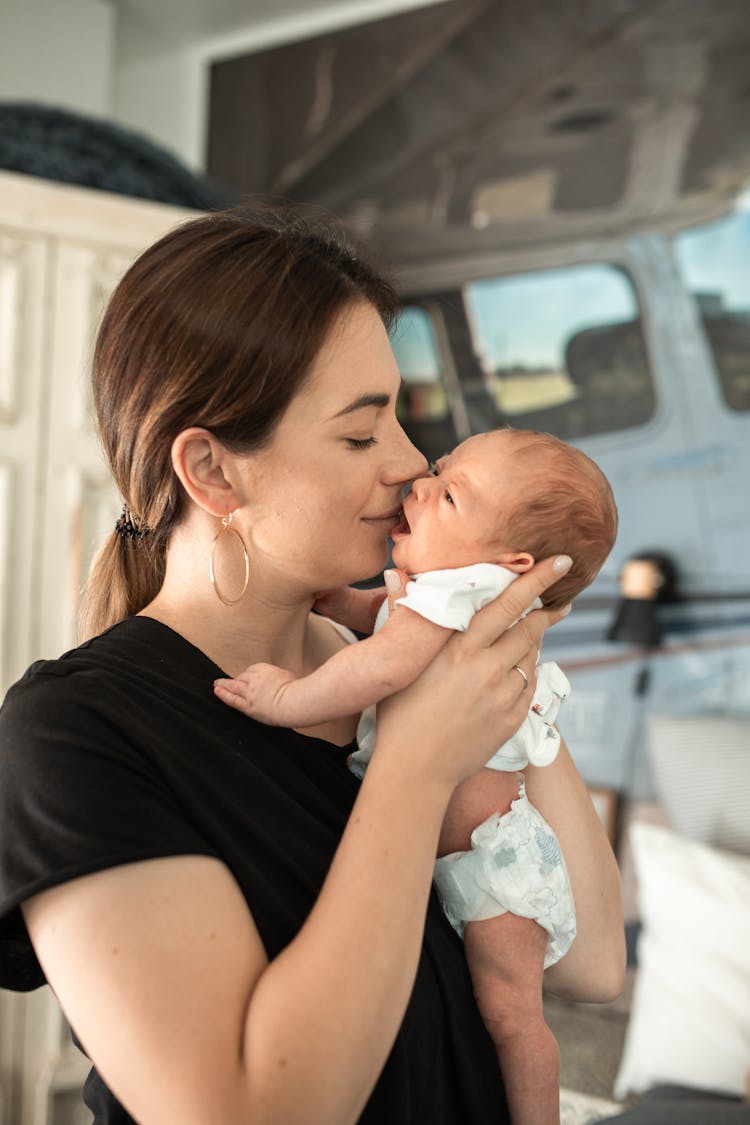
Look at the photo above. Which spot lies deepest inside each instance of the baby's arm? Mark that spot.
(346, 684)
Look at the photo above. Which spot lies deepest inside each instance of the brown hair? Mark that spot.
(573, 514)
(215, 325)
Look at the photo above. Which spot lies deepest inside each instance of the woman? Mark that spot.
(235, 928)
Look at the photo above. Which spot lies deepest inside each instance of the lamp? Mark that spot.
(647, 580)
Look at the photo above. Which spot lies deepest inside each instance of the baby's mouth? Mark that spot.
(402, 527)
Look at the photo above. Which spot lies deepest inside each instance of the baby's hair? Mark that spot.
(573, 512)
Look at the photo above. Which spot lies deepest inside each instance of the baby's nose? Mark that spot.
(421, 487)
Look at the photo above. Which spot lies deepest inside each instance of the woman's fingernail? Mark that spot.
(566, 610)
(392, 581)
(562, 563)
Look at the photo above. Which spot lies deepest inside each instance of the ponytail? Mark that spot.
(126, 574)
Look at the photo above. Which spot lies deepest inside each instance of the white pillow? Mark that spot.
(690, 1019)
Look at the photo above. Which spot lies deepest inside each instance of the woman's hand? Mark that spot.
(477, 691)
(357, 609)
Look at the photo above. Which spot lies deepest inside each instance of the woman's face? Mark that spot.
(324, 496)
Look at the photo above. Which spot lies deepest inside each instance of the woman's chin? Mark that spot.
(372, 566)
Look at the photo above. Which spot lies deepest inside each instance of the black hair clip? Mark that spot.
(130, 526)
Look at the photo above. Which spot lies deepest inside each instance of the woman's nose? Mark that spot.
(409, 462)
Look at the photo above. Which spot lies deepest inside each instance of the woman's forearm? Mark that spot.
(356, 609)
(350, 971)
(594, 967)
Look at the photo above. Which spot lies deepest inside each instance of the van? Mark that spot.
(636, 349)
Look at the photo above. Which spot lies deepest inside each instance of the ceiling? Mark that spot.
(478, 122)
(168, 24)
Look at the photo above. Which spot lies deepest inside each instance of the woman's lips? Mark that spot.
(402, 527)
(384, 523)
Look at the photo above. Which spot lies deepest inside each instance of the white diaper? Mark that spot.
(515, 866)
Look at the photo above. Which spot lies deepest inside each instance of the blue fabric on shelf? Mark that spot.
(56, 144)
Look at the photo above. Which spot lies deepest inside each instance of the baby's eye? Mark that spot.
(447, 496)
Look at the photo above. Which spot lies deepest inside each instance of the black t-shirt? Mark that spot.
(119, 752)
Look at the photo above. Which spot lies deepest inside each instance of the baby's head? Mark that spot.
(511, 497)
(565, 506)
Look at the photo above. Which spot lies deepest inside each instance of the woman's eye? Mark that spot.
(432, 469)
(361, 443)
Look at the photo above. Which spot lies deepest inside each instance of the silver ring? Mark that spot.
(523, 676)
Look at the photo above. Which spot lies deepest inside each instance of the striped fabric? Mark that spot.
(701, 767)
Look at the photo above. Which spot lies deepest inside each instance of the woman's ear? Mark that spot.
(205, 468)
(517, 561)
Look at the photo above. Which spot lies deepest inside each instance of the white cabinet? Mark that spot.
(61, 251)
(23, 289)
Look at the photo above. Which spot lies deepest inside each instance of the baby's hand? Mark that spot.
(257, 692)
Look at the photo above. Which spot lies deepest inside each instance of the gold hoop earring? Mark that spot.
(225, 526)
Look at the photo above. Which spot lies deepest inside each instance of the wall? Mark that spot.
(145, 64)
(58, 53)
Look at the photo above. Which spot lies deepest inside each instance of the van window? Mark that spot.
(563, 350)
(715, 263)
(423, 407)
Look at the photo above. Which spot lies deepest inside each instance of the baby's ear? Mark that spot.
(517, 561)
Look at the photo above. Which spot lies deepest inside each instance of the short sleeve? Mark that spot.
(78, 793)
(451, 597)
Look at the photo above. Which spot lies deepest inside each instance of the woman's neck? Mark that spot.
(235, 636)
(269, 624)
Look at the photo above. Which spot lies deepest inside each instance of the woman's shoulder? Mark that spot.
(45, 678)
(109, 690)
(136, 644)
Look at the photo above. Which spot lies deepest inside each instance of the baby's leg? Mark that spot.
(506, 961)
(489, 791)
(506, 957)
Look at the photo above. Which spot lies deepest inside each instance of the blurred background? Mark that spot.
(560, 191)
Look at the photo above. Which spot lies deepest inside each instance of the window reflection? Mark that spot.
(713, 260)
(563, 350)
(423, 408)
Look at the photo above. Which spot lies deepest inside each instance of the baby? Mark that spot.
(488, 510)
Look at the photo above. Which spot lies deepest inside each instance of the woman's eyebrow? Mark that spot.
(378, 400)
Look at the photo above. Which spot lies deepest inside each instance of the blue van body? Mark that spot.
(670, 429)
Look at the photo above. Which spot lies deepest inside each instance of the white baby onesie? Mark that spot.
(451, 598)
